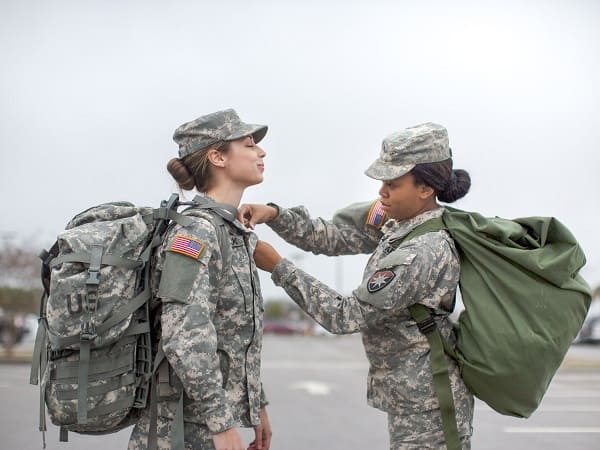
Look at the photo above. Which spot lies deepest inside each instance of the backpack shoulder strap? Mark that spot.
(221, 216)
(224, 239)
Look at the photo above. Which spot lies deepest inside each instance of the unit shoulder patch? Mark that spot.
(187, 246)
(379, 280)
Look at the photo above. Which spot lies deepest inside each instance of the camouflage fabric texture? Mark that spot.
(218, 126)
(211, 326)
(115, 382)
(196, 436)
(402, 150)
(421, 270)
(406, 432)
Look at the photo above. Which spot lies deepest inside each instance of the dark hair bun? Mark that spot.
(181, 174)
(458, 186)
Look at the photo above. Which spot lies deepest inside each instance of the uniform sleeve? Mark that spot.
(337, 314)
(264, 401)
(409, 275)
(189, 337)
(346, 234)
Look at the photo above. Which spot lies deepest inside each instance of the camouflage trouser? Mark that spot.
(424, 431)
(196, 436)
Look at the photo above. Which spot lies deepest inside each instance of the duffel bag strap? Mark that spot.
(441, 378)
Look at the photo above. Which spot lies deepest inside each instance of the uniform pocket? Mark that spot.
(224, 364)
(242, 275)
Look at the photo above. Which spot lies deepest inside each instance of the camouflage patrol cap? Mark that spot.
(402, 150)
(218, 126)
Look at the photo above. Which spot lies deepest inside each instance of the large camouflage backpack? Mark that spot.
(94, 346)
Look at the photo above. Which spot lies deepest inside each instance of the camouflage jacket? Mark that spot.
(421, 270)
(212, 323)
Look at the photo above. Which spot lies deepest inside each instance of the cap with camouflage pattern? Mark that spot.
(218, 126)
(402, 150)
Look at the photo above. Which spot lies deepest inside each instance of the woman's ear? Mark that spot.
(425, 192)
(216, 158)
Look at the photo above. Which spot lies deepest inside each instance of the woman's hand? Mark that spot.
(265, 256)
(263, 433)
(253, 214)
(228, 440)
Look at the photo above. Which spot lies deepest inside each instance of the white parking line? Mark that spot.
(313, 387)
(582, 408)
(482, 407)
(573, 394)
(552, 430)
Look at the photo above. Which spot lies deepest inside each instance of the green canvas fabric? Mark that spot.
(524, 304)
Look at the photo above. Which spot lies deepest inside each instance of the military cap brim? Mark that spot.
(385, 171)
(257, 132)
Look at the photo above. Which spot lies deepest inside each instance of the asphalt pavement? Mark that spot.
(317, 389)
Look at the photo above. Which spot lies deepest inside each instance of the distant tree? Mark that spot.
(19, 267)
(20, 290)
(17, 300)
(274, 310)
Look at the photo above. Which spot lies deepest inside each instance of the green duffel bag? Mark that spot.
(524, 304)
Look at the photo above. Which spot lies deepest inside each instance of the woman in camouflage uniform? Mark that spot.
(211, 319)
(415, 166)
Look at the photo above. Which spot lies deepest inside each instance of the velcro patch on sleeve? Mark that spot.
(187, 246)
(376, 216)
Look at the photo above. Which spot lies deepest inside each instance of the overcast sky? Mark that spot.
(91, 92)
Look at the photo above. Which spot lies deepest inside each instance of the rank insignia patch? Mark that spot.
(187, 246)
(379, 280)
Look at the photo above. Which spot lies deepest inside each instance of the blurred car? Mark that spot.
(283, 327)
(590, 331)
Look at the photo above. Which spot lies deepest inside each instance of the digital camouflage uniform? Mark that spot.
(422, 270)
(211, 333)
(211, 311)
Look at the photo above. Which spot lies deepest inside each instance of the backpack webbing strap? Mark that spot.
(441, 378)
(84, 368)
(177, 433)
(438, 345)
(126, 311)
(107, 260)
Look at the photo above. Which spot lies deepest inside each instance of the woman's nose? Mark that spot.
(383, 190)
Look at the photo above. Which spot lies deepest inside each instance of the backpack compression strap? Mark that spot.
(441, 378)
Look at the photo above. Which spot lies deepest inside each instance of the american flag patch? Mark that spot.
(376, 215)
(187, 246)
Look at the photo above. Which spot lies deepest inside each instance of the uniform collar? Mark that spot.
(226, 211)
(397, 229)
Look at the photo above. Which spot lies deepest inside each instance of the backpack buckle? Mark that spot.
(88, 331)
(427, 326)
(95, 264)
